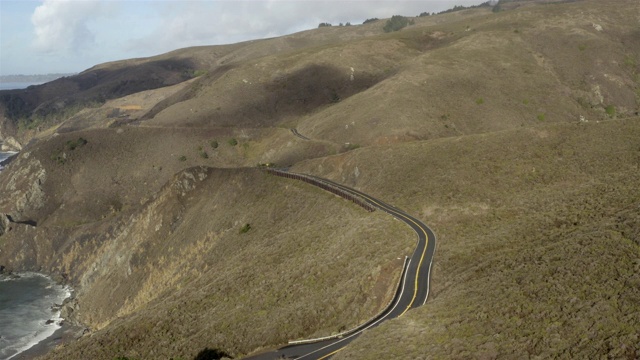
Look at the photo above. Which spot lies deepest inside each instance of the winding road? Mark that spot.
(412, 292)
(295, 132)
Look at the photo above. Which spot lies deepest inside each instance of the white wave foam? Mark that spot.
(44, 330)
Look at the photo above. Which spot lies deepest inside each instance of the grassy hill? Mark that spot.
(538, 241)
(514, 134)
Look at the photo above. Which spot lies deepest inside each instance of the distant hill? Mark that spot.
(38, 78)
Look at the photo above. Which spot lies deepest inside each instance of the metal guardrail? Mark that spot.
(367, 206)
(328, 187)
(296, 133)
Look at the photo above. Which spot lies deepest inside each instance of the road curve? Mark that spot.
(412, 292)
(295, 132)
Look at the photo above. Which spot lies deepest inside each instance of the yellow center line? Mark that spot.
(390, 210)
(331, 354)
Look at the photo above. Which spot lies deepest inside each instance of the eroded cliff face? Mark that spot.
(9, 143)
(22, 188)
(176, 273)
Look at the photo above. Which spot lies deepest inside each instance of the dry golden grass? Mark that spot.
(538, 243)
(469, 120)
(179, 276)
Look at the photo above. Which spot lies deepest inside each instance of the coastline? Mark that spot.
(65, 334)
(65, 330)
(5, 162)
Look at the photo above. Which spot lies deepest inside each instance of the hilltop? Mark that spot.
(514, 132)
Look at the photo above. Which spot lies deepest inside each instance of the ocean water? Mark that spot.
(3, 156)
(28, 311)
(15, 85)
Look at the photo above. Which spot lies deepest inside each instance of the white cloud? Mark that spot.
(61, 25)
(192, 23)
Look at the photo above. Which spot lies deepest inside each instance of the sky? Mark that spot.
(69, 36)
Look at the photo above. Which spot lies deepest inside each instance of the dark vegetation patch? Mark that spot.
(396, 23)
(211, 354)
(189, 92)
(312, 87)
(45, 103)
(302, 92)
(291, 94)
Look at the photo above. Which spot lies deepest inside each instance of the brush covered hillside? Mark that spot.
(514, 132)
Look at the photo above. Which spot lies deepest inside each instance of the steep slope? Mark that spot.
(538, 244)
(185, 272)
(466, 72)
(514, 134)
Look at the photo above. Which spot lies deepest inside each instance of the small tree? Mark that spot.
(610, 110)
(396, 23)
(370, 20)
(73, 144)
(233, 142)
(324, 24)
(245, 228)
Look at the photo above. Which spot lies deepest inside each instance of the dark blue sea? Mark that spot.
(28, 308)
(15, 85)
(29, 311)
(3, 156)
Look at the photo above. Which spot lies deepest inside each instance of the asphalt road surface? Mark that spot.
(412, 292)
(295, 132)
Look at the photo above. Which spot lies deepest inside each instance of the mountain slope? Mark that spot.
(513, 134)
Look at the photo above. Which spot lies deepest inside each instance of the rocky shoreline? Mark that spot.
(64, 335)
(70, 330)
(8, 160)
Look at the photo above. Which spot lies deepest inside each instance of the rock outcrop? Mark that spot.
(5, 224)
(10, 144)
(23, 189)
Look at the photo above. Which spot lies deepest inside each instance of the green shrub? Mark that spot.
(182, 158)
(324, 24)
(370, 20)
(479, 101)
(541, 117)
(73, 144)
(214, 144)
(396, 23)
(245, 228)
(59, 157)
(204, 155)
(211, 354)
(199, 73)
(233, 142)
(610, 110)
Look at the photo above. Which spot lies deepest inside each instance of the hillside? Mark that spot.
(514, 134)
